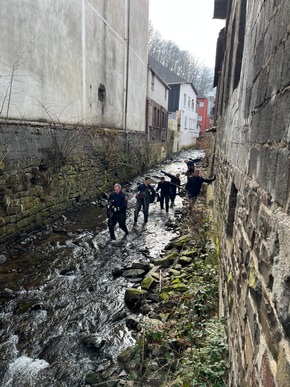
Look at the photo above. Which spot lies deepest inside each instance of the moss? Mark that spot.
(148, 283)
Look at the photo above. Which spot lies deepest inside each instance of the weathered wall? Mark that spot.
(252, 191)
(46, 171)
(57, 55)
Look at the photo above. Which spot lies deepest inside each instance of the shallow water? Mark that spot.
(62, 311)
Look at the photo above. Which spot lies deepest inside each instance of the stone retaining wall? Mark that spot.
(48, 170)
(252, 191)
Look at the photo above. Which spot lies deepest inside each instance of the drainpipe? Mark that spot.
(127, 64)
(127, 67)
(84, 64)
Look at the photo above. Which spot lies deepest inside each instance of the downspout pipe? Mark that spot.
(127, 64)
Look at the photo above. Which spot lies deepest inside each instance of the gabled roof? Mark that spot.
(167, 75)
(158, 77)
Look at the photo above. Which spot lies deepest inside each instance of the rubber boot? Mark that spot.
(112, 234)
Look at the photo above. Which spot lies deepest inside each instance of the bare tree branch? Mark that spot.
(181, 62)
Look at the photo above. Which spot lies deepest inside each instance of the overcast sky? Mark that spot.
(188, 23)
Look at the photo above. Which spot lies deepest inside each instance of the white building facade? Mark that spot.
(183, 98)
(74, 62)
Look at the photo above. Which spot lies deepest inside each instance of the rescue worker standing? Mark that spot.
(190, 167)
(194, 183)
(146, 195)
(174, 186)
(116, 210)
(164, 187)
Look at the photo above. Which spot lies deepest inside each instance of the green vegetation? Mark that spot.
(182, 343)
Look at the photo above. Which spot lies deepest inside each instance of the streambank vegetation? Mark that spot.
(181, 340)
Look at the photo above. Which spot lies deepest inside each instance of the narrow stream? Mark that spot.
(62, 311)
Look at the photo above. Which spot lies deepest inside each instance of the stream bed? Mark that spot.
(62, 311)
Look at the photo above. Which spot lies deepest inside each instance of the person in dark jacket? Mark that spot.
(164, 187)
(194, 183)
(190, 167)
(174, 186)
(116, 210)
(146, 195)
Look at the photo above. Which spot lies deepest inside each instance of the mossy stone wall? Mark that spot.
(46, 171)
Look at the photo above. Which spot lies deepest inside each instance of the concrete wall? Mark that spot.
(252, 191)
(57, 54)
(73, 81)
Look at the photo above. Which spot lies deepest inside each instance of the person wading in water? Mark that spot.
(164, 187)
(146, 195)
(174, 186)
(116, 210)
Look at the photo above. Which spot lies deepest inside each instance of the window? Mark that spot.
(201, 104)
(231, 211)
(165, 97)
(188, 103)
(199, 118)
(152, 81)
(184, 100)
(102, 93)
(185, 123)
(192, 104)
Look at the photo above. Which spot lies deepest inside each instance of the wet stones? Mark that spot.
(3, 258)
(134, 296)
(133, 273)
(148, 283)
(184, 260)
(93, 344)
(125, 356)
(167, 260)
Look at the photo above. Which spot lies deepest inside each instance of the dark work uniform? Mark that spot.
(149, 194)
(117, 212)
(174, 185)
(193, 185)
(190, 168)
(164, 187)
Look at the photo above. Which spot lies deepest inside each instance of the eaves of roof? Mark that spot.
(220, 9)
(158, 77)
(184, 83)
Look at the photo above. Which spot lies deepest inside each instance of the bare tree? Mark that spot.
(9, 81)
(181, 62)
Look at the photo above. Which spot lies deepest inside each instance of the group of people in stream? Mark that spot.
(146, 194)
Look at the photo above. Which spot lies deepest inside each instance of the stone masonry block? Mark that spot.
(254, 162)
(253, 325)
(283, 367)
(279, 128)
(282, 179)
(267, 167)
(270, 326)
(267, 377)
